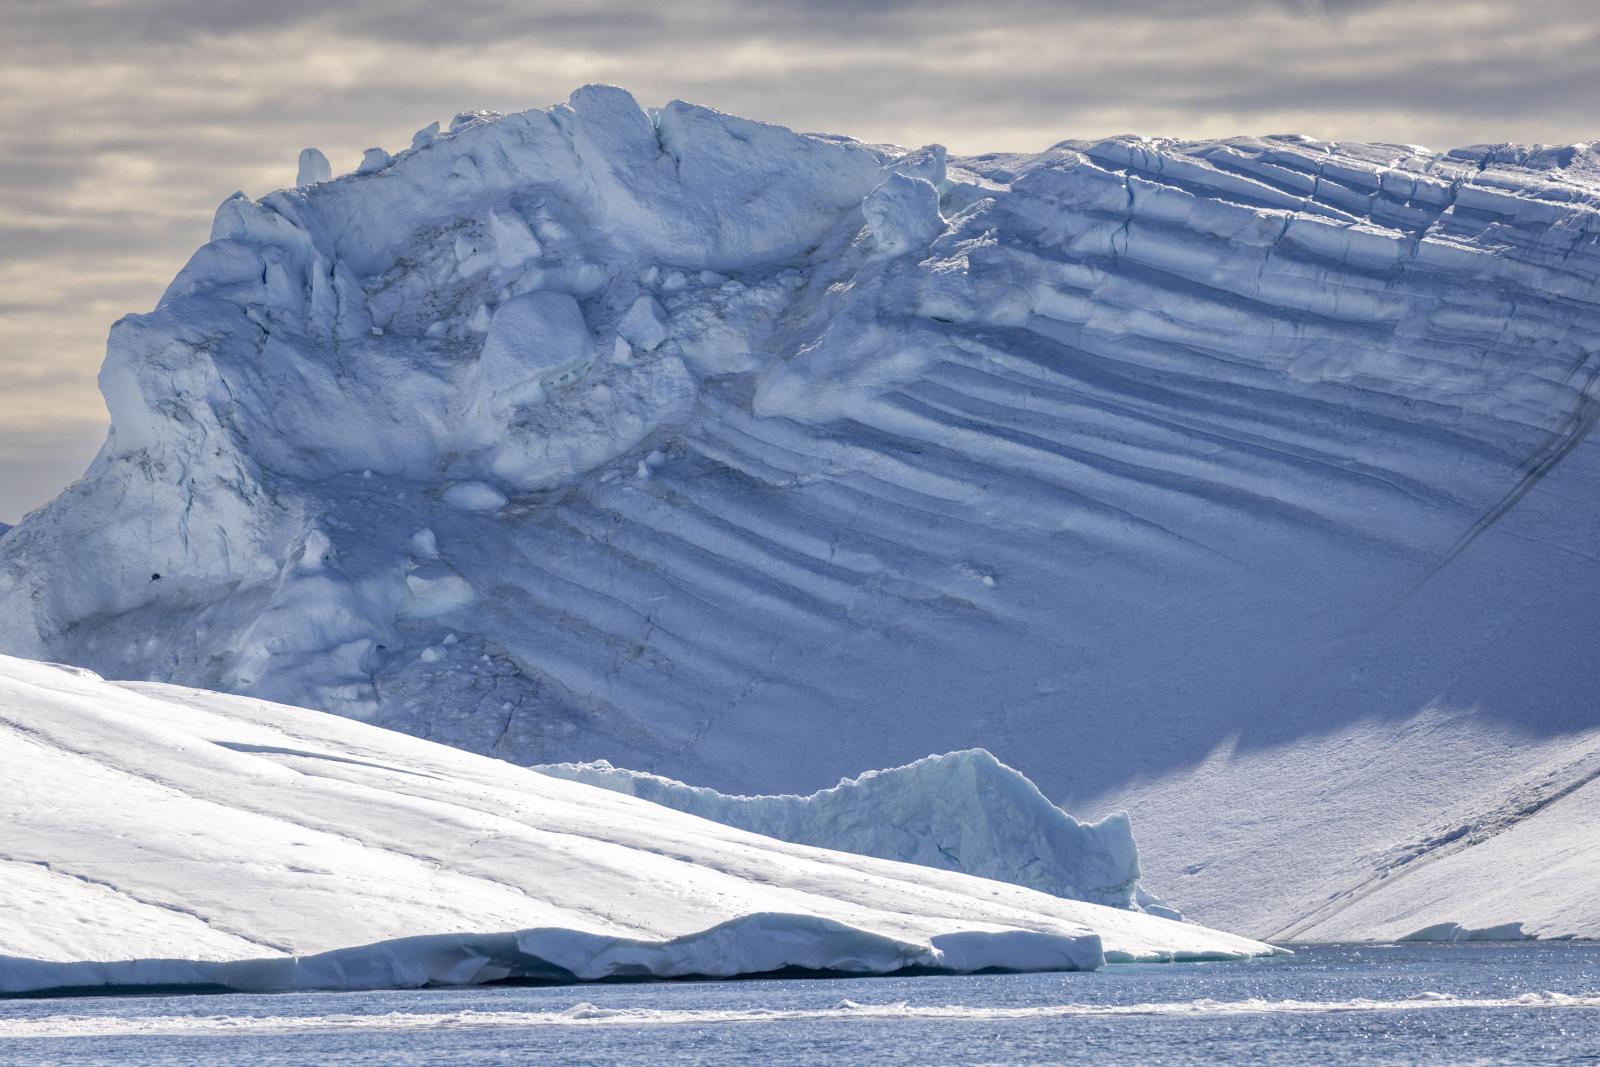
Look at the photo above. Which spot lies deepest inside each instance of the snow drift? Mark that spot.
(165, 836)
(753, 458)
(962, 811)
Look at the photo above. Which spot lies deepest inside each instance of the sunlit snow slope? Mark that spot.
(754, 458)
(159, 835)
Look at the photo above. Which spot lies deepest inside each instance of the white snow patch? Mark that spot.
(475, 496)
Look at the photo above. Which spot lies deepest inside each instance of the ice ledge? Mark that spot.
(764, 943)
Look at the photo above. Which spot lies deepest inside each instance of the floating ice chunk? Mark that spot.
(314, 168)
(374, 160)
(645, 324)
(903, 214)
(1449, 931)
(970, 951)
(621, 350)
(474, 496)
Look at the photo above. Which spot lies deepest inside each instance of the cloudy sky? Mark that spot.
(124, 122)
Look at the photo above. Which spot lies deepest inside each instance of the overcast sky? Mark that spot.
(123, 124)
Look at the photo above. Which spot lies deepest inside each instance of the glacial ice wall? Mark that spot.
(753, 458)
(962, 811)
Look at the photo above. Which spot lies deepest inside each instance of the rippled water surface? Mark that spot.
(1465, 1003)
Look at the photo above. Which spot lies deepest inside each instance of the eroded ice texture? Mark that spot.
(1149, 466)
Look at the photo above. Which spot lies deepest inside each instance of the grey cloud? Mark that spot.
(161, 23)
(37, 463)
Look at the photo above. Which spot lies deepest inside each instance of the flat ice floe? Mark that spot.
(164, 836)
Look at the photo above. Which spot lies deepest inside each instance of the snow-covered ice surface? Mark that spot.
(1509, 853)
(962, 811)
(157, 835)
(1172, 473)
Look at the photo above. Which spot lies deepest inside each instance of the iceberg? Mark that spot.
(161, 836)
(1173, 473)
(962, 811)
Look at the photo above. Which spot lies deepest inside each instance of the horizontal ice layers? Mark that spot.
(1116, 460)
(165, 836)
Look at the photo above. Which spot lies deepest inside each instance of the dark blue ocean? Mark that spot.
(1463, 1003)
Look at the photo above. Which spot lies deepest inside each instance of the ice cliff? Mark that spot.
(753, 458)
(962, 811)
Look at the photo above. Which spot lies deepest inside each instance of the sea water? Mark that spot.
(1451, 1003)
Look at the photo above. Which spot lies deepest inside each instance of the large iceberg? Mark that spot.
(962, 811)
(1163, 470)
(171, 837)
